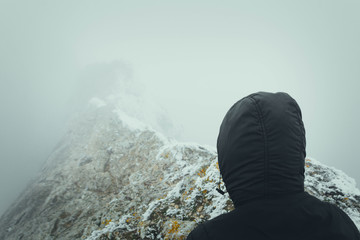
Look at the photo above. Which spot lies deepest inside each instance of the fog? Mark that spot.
(192, 58)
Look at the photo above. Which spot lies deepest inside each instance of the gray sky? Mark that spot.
(195, 58)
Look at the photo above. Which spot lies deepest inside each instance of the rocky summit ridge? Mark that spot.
(113, 177)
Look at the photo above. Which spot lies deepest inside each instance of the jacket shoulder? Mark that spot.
(198, 233)
(346, 221)
(216, 228)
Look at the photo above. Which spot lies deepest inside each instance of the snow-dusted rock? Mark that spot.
(113, 177)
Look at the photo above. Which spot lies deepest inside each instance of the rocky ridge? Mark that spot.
(113, 177)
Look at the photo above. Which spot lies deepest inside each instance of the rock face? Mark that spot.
(112, 177)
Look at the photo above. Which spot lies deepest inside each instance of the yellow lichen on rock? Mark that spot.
(174, 231)
(106, 222)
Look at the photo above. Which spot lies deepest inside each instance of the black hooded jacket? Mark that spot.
(261, 154)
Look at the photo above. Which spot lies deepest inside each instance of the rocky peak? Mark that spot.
(113, 177)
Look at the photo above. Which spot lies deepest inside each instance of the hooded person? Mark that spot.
(261, 154)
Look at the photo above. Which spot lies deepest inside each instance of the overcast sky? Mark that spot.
(194, 58)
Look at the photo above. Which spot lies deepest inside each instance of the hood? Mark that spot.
(261, 148)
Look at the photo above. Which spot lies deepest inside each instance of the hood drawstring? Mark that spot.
(219, 187)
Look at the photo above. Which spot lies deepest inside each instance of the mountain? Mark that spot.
(113, 177)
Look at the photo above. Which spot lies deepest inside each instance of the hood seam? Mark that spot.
(266, 160)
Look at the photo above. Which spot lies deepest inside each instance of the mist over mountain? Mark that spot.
(113, 176)
(195, 58)
(36, 115)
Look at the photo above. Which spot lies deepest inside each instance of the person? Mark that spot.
(261, 155)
